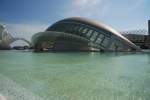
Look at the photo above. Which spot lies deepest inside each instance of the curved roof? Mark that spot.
(97, 25)
(91, 23)
(55, 34)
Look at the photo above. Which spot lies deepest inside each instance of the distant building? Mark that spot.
(80, 34)
(140, 38)
(143, 41)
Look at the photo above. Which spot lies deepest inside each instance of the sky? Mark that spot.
(23, 18)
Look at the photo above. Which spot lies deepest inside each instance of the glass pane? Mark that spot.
(100, 38)
(75, 28)
(116, 45)
(84, 30)
(89, 33)
(105, 41)
(94, 36)
(80, 29)
(70, 27)
(95, 33)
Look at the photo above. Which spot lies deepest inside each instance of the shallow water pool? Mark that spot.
(74, 76)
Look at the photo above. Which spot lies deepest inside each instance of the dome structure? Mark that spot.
(81, 34)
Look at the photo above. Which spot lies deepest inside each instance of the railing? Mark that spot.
(138, 32)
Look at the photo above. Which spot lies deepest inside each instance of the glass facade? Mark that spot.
(99, 36)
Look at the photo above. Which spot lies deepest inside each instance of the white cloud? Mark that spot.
(101, 8)
(87, 8)
(86, 3)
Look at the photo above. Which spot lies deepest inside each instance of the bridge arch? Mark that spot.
(24, 40)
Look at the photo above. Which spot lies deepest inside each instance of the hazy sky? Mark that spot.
(26, 17)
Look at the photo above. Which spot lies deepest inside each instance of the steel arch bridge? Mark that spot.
(16, 39)
(6, 38)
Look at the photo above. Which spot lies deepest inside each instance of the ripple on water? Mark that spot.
(13, 91)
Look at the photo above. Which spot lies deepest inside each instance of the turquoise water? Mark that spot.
(74, 76)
